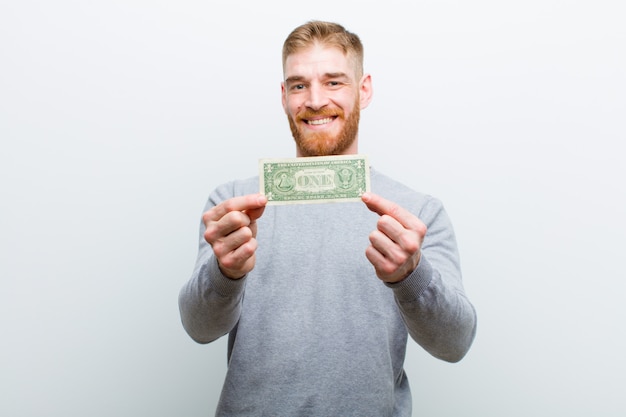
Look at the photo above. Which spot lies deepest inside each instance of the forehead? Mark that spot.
(317, 59)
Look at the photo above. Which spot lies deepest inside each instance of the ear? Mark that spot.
(283, 94)
(365, 90)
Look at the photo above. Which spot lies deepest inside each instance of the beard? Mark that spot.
(325, 143)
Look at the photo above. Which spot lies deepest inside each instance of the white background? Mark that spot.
(117, 118)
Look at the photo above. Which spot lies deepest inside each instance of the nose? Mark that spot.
(316, 98)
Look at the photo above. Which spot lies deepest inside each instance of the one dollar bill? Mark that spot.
(317, 179)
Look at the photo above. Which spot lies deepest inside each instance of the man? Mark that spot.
(318, 315)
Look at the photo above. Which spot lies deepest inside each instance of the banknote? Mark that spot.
(317, 179)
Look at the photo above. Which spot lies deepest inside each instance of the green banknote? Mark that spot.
(318, 179)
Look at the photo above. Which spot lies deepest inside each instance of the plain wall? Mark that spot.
(117, 118)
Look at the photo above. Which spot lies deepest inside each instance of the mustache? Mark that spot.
(324, 112)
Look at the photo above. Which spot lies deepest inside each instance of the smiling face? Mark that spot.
(322, 98)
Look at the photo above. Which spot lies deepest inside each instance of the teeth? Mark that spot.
(320, 121)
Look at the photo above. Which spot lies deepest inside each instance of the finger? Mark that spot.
(239, 262)
(390, 227)
(387, 248)
(407, 239)
(382, 206)
(255, 213)
(241, 203)
(382, 265)
(391, 264)
(227, 224)
(232, 241)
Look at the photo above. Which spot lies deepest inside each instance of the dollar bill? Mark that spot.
(318, 179)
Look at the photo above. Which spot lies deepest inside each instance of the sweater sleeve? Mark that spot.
(210, 303)
(432, 301)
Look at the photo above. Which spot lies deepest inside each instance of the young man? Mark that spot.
(318, 300)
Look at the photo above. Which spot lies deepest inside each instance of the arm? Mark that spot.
(430, 296)
(210, 302)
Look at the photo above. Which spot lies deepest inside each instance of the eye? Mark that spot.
(298, 87)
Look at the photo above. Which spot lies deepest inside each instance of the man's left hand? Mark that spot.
(395, 248)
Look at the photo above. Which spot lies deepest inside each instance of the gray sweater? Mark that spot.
(312, 330)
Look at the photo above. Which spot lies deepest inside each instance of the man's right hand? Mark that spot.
(231, 231)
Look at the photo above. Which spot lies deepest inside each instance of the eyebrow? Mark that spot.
(294, 79)
(336, 75)
(328, 75)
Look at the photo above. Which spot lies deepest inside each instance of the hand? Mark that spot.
(395, 248)
(231, 231)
